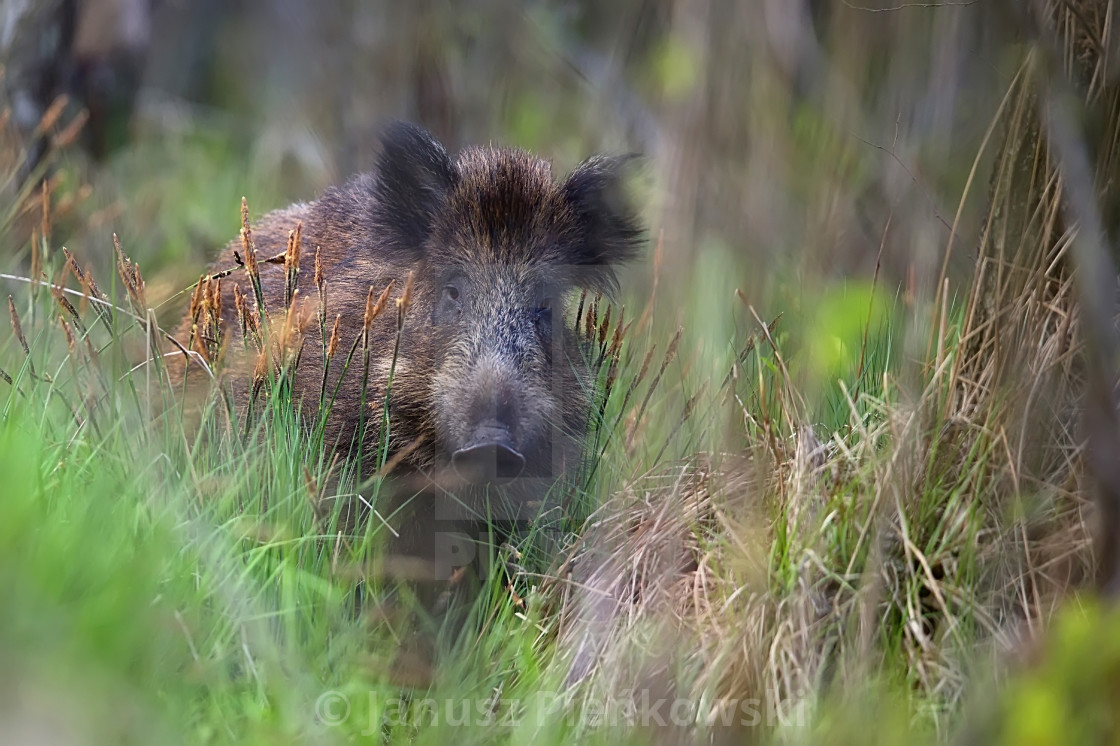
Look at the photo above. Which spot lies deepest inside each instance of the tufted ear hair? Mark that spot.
(413, 175)
(609, 232)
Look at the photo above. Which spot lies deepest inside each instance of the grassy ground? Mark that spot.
(163, 589)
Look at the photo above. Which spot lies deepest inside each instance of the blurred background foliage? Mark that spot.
(810, 153)
(781, 134)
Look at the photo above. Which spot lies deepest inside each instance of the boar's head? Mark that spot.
(499, 248)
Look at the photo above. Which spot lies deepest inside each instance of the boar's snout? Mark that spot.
(489, 457)
(496, 419)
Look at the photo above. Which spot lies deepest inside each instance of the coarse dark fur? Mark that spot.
(496, 247)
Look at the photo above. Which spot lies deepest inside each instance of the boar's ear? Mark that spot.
(608, 232)
(413, 175)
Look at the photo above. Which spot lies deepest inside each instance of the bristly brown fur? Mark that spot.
(494, 220)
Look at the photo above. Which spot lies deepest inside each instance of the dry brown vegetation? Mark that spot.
(934, 536)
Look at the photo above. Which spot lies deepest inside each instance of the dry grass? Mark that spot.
(928, 541)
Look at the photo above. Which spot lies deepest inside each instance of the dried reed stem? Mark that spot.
(250, 249)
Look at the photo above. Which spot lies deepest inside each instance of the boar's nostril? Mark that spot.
(490, 458)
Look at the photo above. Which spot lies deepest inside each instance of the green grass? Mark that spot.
(864, 537)
(190, 582)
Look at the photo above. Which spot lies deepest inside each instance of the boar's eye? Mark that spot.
(543, 317)
(450, 305)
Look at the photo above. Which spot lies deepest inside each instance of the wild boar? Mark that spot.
(489, 399)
